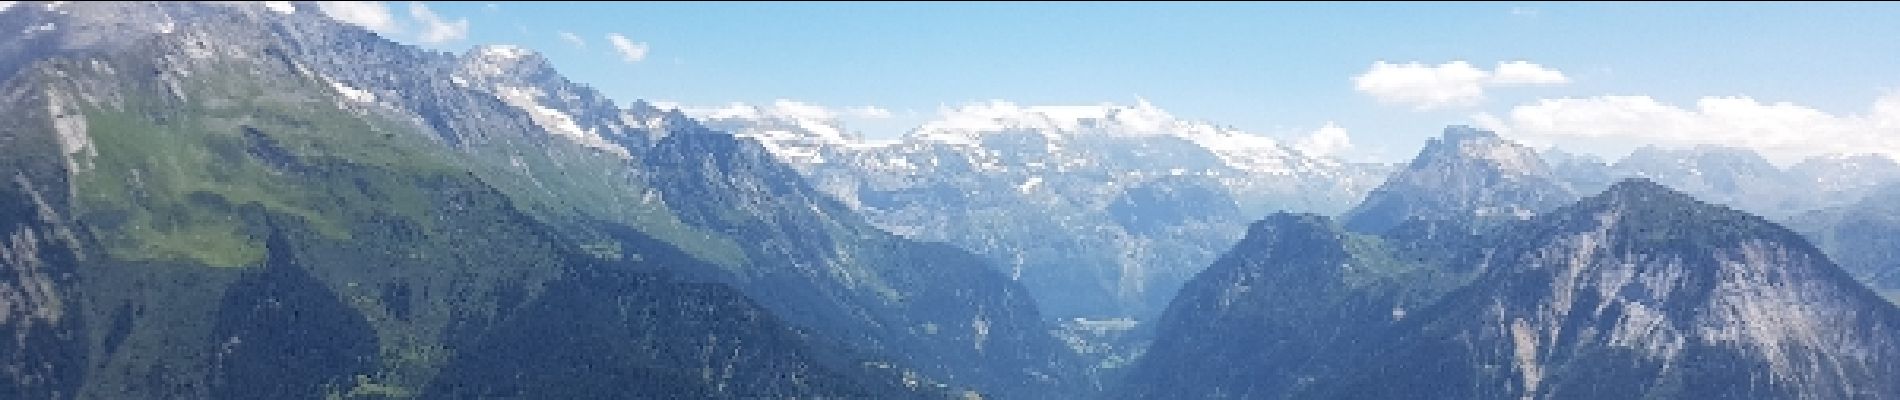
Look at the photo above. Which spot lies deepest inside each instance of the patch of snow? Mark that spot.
(793, 131)
(281, 7)
(1029, 184)
(494, 60)
(969, 124)
(554, 121)
(354, 94)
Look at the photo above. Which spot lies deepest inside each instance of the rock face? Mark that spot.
(193, 186)
(1468, 177)
(1644, 292)
(1638, 292)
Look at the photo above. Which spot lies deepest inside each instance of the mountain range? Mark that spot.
(1102, 211)
(1640, 291)
(254, 200)
(195, 186)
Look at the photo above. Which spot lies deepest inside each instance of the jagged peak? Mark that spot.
(1460, 144)
(496, 60)
(501, 52)
(1461, 136)
(1464, 133)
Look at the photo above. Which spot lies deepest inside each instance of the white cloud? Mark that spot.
(434, 28)
(1522, 73)
(1452, 84)
(491, 8)
(629, 50)
(4, 5)
(372, 15)
(1328, 141)
(801, 110)
(1781, 131)
(574, 39)
(868, 112)
(1525, 11)
(1424, 87)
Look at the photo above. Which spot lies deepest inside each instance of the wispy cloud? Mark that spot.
(1452, 84)
(574, 39)
(629, 50)
(435, 29)
(372, 15)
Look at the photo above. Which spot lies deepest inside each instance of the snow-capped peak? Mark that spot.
(792, 130)
(502, 52)
(812, 123)
(966, 125)
(496, 60)
(800, 132)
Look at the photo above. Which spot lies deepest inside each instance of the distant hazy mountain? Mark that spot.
(1839, 180)
(1737, 177)
(1725, 175)
(1863, 237)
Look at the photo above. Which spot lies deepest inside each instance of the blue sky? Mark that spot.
(1632, 73)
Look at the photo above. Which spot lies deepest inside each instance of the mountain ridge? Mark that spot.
(167, 140)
